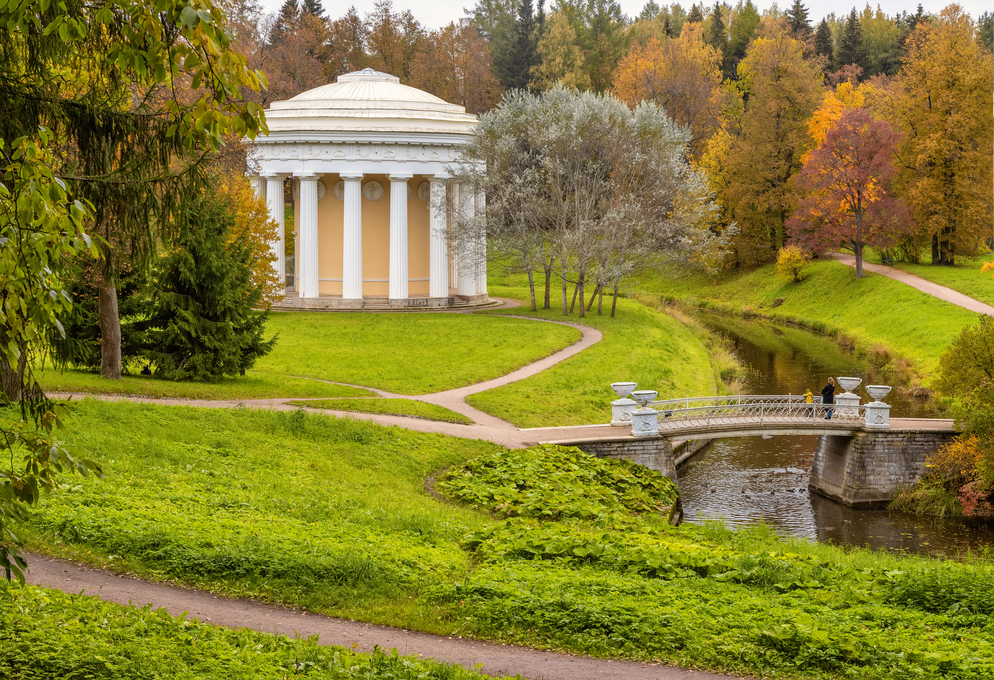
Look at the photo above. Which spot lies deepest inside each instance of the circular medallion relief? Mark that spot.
(372, 191)
(321, 189)
(424, 191)
(410, 191)
(339, 190)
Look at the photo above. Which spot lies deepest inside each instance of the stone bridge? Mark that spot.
(863, 456)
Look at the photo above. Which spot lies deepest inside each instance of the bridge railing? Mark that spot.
(751, 409)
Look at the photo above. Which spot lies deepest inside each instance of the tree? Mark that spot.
(986, 30)
(835, 103)
(717, 36)
(607, 42)
(314, 8)
(943, 109)
(455, 65)
(202, 325)
(345, 51)
(696, 15)
(847, 196)
(797, 16)
(649, 12)
(781, 91)
(851, 49)
(524, 54)
(881, 36)
(743, 30)
(824, 45)
(285, 22)
(495, 20)
(790, 263)
(138, 94)
(561, 59)
(683, 76)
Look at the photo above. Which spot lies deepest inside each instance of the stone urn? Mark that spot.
(848, 402)
(621, 409)
(877, 412)
(645, 421)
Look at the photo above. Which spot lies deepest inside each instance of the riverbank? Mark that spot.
(901, 330)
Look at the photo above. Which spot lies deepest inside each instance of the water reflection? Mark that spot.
(750, 479)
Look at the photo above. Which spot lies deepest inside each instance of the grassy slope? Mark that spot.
(51, 635)
(965, 277)
(640, 344)
(396, 407)
(332, 515)
(873, 311)
(406, 353)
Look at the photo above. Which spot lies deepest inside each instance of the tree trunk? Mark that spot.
(11, 377)
(614, 301)
(531, 286)
(110, 332)
(548, 285)
(946, 253)
(579, 287)
(600, 300)
(565, 290)
(935, 249)
(593, 296)
(858, 250)
(576, 289)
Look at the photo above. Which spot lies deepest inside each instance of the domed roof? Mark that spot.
(368, 101)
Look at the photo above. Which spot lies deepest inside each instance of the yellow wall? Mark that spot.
(375, 239)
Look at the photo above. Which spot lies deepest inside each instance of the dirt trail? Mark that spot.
(496, 659)
(924, 285)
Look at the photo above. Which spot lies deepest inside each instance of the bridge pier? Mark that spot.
(869, 468)
(655, 453)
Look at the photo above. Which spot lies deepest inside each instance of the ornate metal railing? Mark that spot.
(751, 409)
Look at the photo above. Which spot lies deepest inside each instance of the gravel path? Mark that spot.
(924, 285)
(496, 659)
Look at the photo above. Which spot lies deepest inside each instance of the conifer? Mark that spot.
(696, 15)
(823, 42)
(851, 49)
(797, 15)
(314, 8)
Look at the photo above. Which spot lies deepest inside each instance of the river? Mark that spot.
(750, 479)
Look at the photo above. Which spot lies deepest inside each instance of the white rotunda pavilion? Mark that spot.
(372, 200)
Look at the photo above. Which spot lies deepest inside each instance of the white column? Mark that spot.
(438, 261)
(481, 244)
(258, 183)
(308, 230)
(274, 201)
(398, 236)
(467, 261)
(352, 237)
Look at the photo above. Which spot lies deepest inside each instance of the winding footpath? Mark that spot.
(493, 659)
(935, 290)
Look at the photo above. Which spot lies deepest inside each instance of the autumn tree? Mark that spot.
(393, 39)
(561, 58)
(835, 103)
(766, 148)
(696, 14)
(847, 195)
(345, 49)
(742, 32)
(682, 75)
(455, 65)
(944, 111)
(294, 62)
(606, 42)
(495, 20)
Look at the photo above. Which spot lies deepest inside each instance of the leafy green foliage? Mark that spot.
(49, 635)
(969, 361)
(558, 482)
(202, 324)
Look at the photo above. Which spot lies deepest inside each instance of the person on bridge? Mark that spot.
(809, 399)
(828, 396)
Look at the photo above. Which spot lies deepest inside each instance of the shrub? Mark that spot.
(791, 261)
(969, 361)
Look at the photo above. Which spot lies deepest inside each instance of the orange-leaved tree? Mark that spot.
(682, 75)
(252, 224)
(847, 200)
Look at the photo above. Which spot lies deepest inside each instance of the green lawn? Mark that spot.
(640, 344)
(872, 311)
(965, 277)
(51, 635)
(545, 549)
(253, 385)
(404, 353)
(394, 407)
(408, 353)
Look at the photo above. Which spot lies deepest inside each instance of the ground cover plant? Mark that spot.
(50, 635)
(408, 353)
(640, 344)
(872, 311)
(392, 407)
(333, 515)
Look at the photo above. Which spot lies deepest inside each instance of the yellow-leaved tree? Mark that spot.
(253, 225)
(683, 75)
(562, 61)
(833, 105)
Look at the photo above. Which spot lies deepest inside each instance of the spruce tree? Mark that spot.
(696, 15)
(716, 35)
(649, 12)
(286, 21)
(851, 49)
(523, 56)
(797, 15)
(314, 8)
(202, 325)
(823, 42)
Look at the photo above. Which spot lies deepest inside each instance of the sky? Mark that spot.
(438, 13)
